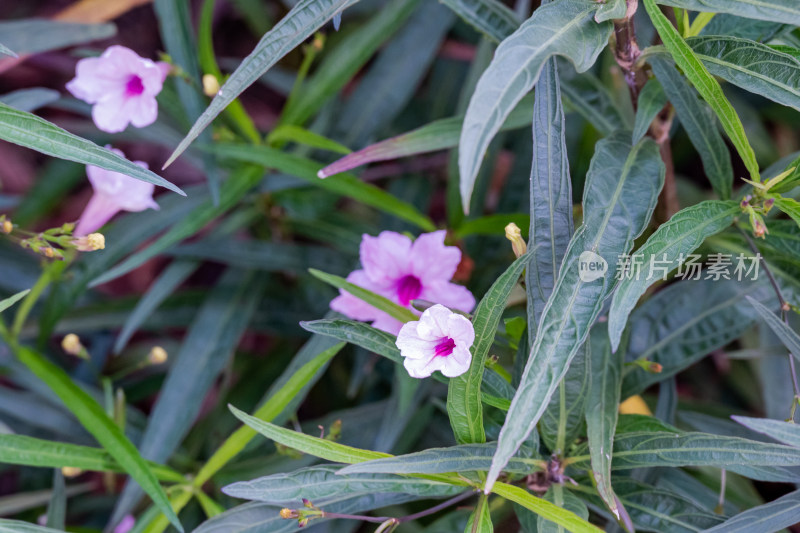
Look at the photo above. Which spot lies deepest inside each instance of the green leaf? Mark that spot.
(24, 450)
(306, 17)
(15, 526)
(789, 338)
(780, 430)
(790, 206)
(11, 300)
(651, 101)
(586, 95)
(236, 186)
(481, 519)
(602, 410)
(30, 131)
(610, 10)
(563, 27)
(35, 35)
(344, 184)
(324, 449)
(403, 314)
(345, 60)
(562, 517)
(565, 499)
(325, 484)
(97, 422)
(753, 66)
(292, 133)
(783, 11)
(664, 250)
(490, 17)
(463, 394)
(700, 124)
(706, 85)
(623, 184)
(773, 516)
(685, 322)
(460, 458)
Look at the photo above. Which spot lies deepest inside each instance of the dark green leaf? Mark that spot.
(651, 101)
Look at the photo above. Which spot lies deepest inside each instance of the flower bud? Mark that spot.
(8, 227)
(514, 235)
(90, 243)
(71, 471)
(72, 344)
(157, 355)
(210, 85)
(288, 514)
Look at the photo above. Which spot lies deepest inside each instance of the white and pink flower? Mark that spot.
(440, 340)
(113, 192)
(121, 86)
(403, 270)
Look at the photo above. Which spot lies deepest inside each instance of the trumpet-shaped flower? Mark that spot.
(402, 271)
(440, 340)
(113, 192)
(121, 86)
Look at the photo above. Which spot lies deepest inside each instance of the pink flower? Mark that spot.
(125, 525)
(402, 271)
(121, 86)
(440, 340)
(113, 192)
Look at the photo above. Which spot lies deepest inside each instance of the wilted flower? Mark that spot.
(157, 355)
(125, 525)
(121, 86)
(402, 271)
(71, 344)
(440, 340)
(113, 192)
(90, 243)
(514, 234)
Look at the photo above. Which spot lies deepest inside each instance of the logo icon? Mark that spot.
(591, 266)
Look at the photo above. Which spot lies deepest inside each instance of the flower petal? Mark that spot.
(98, 211)
(385, 258)
(431, 260)
(353, 307)
(449, 294)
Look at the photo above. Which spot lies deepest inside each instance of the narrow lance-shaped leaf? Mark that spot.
(753, 66)
(789, 338)
(30, 131)
(24, 450)
(490, 17)
(560, 496)
(105, 430)
(323, 484)
(306, 17)
(11, 300)
(773, 516)
(562, 517)
(563, 27)
(664, 250)
(706, 85)
(4, 50)
(651, 101)
(700, 124)
(464, 393)
(36, 35)
(602, 409)
(780, 430)
(622, 186)
(783, 11)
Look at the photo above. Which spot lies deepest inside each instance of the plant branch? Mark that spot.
(626, 51)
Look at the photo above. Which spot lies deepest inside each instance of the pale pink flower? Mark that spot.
(402, 271)
(125, 525)
(113, 192)
(121, 86)
(440, 340)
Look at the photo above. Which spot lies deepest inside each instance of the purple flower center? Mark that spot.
(134, 87)
(408, 288)
(445, 347)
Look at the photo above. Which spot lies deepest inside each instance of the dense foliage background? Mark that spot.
(210, 385)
